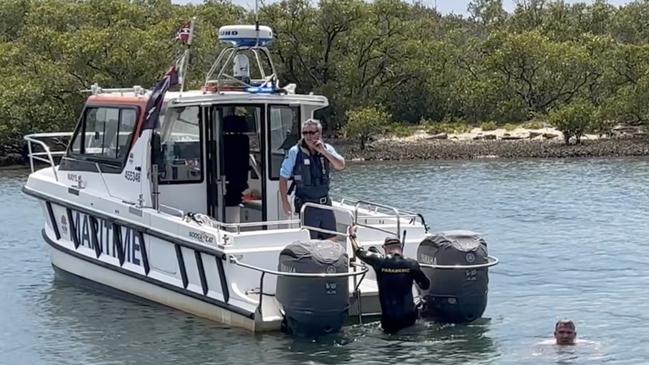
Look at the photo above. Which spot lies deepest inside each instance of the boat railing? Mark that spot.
(203, 219)
(47, 155)
(491, 261)
(265, 224)
(375, 210)
(323, 207)
(225, 58)
(353, 218)
(378, 206)
(363, 270)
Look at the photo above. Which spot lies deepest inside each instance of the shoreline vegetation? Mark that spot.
(499, 143)
(387, 67)
(473, 143)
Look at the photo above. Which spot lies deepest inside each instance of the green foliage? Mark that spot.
(533, 124)
(366, 122)
(601, 126)
(488, 126)
(541, 72)
(416, 63)
(455, 127)
(574, 119)
(510, 127)
(400, 130)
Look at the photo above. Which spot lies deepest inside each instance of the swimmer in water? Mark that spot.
(565, 333)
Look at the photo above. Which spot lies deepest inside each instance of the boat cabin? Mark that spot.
(216, 151)
(221, 155)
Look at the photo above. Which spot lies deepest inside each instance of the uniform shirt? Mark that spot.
(288, 164)
(395, 275)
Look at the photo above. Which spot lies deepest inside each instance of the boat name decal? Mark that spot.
(130, 238)
(132, 176)
(201, 237)
(74, 177)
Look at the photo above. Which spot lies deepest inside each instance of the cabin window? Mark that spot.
(105, 134)
(324, 116)
(181, 156)
(284, 134)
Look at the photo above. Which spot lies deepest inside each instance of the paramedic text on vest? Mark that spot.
(394, 275)
(309, 163)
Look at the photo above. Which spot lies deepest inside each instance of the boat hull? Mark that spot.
(98, 272)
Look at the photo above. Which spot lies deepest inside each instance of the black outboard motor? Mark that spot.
(454, 295)
(313, 306)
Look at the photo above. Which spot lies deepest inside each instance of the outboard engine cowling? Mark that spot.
(313, 306)
(454, 295)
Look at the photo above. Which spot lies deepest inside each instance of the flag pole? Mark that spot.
(184, 61)
(257, 21)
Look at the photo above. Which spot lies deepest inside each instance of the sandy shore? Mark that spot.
(477, 144)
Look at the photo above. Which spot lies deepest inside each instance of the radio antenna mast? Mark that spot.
(257, 21)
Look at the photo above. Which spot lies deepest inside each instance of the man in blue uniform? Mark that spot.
(394, 275)
(309, 163)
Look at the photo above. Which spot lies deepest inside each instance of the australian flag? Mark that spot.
(153, 106)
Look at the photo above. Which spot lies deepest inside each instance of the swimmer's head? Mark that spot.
(565, 332)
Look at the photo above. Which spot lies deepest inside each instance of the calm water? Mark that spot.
(572, 237)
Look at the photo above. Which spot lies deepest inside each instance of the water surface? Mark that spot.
(571, 236)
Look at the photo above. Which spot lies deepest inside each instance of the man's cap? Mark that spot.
(389, 241)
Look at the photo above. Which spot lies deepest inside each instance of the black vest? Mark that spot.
(312, 177)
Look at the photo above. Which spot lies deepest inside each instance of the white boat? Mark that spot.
(145, 209)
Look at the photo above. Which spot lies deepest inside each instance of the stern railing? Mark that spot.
(363, 270)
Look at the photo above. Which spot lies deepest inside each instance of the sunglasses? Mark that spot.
(307, 133)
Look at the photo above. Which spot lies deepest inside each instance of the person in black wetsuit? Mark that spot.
(395, 275)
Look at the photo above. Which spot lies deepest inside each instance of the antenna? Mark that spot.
(257, 21)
